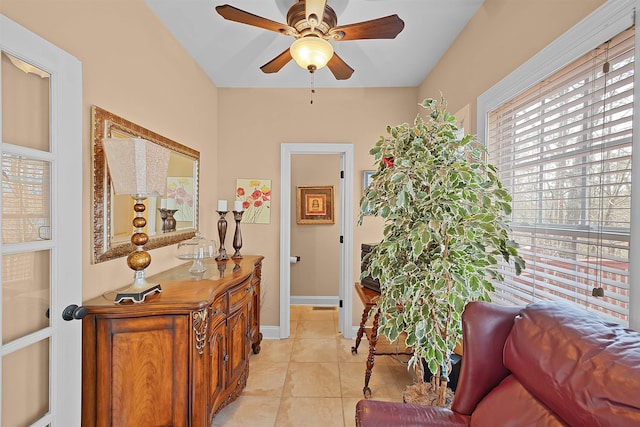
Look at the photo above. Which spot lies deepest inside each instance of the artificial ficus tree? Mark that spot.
(445, 230)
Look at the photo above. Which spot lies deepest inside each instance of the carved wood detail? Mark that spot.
(200, 326)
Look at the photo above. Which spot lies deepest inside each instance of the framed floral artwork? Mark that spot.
(315, 205)
(255, 195)
(181, 189)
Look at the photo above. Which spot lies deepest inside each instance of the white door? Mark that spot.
(41, 225)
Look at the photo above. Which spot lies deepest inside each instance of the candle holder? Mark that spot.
(171, 221)
(168, 221)
(237, 236)
(222, 233)
(163, 216)
(222, 266)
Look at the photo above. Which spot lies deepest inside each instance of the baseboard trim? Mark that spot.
(315, 300)
(354, 330)
(270, 332)
(273, 332)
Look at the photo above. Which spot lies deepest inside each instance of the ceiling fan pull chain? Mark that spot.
(313, 89)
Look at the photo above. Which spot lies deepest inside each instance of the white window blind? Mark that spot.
(563, 150)
(25, 199)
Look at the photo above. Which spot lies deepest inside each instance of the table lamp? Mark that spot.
(137, 167)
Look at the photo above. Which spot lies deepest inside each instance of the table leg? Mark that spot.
(363, 325)
(372, 352)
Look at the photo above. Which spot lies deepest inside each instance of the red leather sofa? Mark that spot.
(548, 364)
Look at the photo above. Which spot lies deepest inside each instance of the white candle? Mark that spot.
(171, 204)
(163, 203)
(238, 206)
(222, 205)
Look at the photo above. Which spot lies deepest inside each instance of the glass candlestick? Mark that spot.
(237, 236)
(222, 233)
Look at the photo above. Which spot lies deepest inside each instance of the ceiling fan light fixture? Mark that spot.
(311, 53)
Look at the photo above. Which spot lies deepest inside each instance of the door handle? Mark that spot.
(73, 312)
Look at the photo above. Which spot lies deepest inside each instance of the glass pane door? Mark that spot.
(40, 244)
(26, 253)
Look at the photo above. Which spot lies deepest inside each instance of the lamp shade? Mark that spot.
(311, 53)
(137, 166)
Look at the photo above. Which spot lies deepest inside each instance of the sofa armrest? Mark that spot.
(485, 328)
(373, 413)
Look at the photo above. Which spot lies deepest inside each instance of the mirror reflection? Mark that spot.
(170, 219)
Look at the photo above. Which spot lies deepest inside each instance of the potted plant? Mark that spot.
(445, 230)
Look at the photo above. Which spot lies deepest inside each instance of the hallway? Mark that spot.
(311, 379)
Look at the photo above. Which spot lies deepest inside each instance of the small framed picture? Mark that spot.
(315, 205)
(366, 180)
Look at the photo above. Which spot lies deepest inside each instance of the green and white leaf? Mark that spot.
(446, 224)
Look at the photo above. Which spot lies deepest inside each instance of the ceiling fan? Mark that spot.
(313, 23)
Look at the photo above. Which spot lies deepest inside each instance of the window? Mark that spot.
(563, 148)
(25, 199)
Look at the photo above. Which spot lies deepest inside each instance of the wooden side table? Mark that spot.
(369, 298)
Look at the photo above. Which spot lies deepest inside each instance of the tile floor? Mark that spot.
(311, 379)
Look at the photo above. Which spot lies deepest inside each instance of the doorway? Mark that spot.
(345, 217)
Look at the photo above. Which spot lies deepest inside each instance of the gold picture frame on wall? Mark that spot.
(315, 205)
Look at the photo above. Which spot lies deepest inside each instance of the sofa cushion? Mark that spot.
(373, 413)
(582, 367)
(510, 404)
(485, 328)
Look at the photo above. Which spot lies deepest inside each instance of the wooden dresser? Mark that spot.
(177, 358)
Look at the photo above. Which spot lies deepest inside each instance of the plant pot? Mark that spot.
(456, 364)
(424, 393)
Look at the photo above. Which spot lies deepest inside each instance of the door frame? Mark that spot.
(345, 268)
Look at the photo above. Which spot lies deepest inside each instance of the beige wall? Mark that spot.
(253, 124)
(501, 36)
(133, 67)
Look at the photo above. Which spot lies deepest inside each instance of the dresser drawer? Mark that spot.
(240, 294)
(219, 310)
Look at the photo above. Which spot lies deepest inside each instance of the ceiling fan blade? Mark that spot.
(340, 69)
(387, 27)
(277, 63)
(232, 13)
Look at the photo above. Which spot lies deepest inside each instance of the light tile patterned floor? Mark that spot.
(311, 379)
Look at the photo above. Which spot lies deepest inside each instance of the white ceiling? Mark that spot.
(232, 53)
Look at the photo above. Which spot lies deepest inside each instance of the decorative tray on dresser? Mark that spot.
(177, 358)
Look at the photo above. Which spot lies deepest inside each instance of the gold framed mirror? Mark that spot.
(112, 214)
